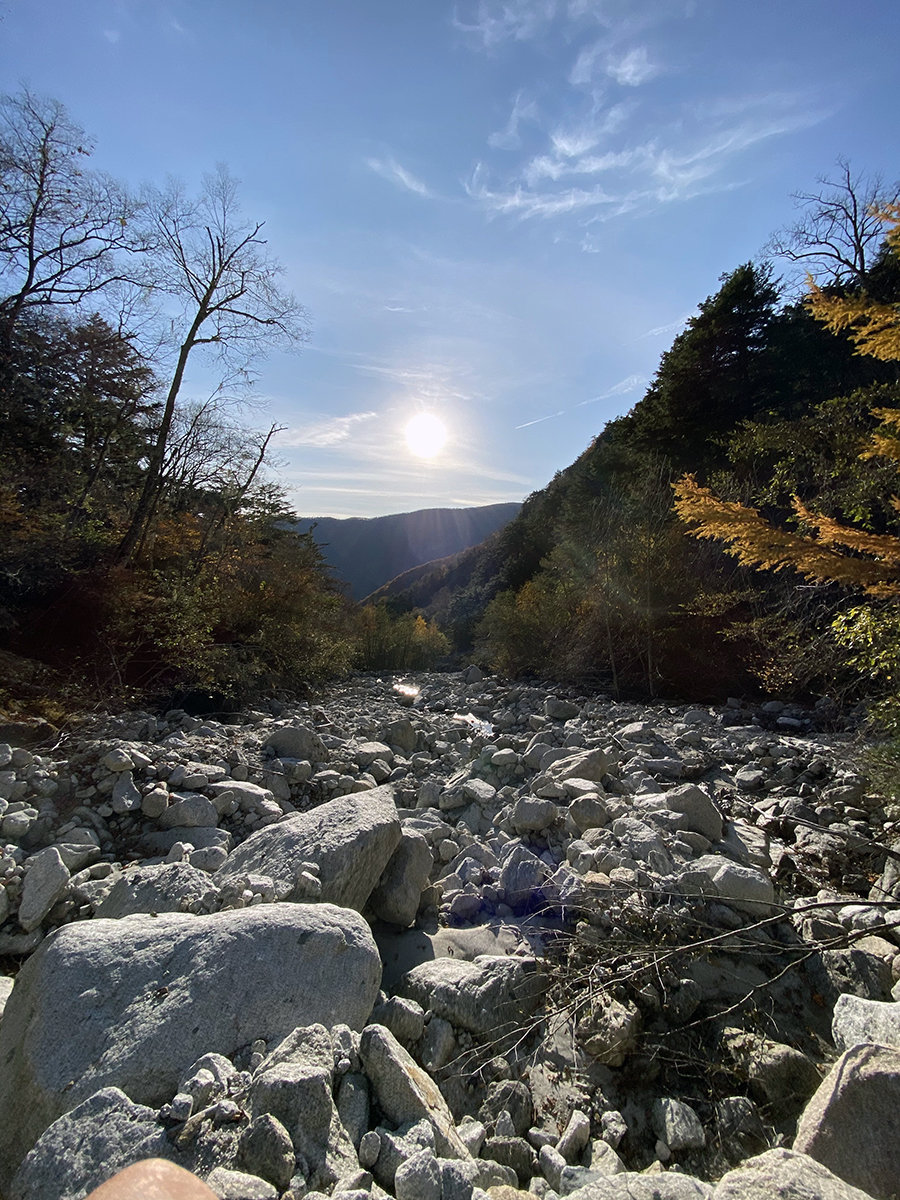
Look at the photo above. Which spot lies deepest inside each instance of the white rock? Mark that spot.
(45, 881)
(858, 1021)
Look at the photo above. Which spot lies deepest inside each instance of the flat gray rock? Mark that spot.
(479, 996)
(130, 1003)
(351, 839)
(45, 881)
(405, 1093)
(165, 887)
(238, 1185)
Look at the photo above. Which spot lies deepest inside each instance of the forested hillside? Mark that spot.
(759, 399)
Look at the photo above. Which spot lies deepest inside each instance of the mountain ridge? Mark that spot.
(369, 552)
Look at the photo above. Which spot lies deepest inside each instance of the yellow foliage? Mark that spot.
(756, 543)
(874, 328)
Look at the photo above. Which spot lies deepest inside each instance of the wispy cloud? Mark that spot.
(497, 21)
(633, 68)
(585, 65)
(550, 167)
(540, 420)
(526, 203)
(393, 172)
(665, 330)
(679, 169)
(630, 383)
(508, 138)
(598, 162)
(112, 35)
(324, 433)
(691, 156)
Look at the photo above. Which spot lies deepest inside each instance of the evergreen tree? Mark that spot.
(719, 370)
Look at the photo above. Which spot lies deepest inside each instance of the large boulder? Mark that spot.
(128, 1003)
(852, 1123)
(631, 1185)
(351, 839)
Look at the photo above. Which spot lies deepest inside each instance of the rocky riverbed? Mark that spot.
(441, 936)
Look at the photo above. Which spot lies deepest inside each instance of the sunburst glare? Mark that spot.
(425, 435)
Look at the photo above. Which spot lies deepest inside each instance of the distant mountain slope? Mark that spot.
(367, 552)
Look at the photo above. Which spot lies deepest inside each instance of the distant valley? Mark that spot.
(368, 552)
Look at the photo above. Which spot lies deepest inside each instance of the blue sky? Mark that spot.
(496, 211)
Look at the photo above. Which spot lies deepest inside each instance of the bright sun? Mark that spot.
(426, 435)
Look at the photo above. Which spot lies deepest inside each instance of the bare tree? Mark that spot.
(837, 233)
(218, 276)
(65, 231)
